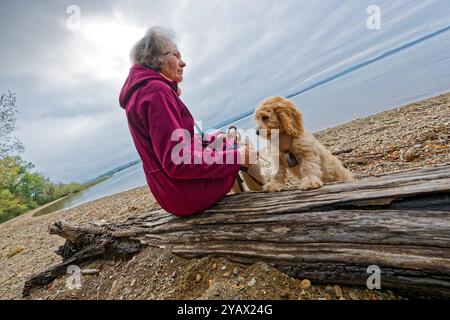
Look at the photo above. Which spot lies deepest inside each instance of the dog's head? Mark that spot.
(278, 113)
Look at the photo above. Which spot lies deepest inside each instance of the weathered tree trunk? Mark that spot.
(399, 222)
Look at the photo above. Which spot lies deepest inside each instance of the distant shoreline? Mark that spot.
(112, 172)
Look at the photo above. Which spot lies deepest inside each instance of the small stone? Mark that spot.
(264, 266)
(224, 268)
(113, 286)
(152, 296)
(240, 279)
(329, 290)
(198, 278)
(213, 290)
(338, 291)
(214, 266)
(173, 275)
(133, 282)
(251, 283)
(89, 272)
(236, 271)
(353, 296)
(226, 275)
(305, 284)
(395, 155)
(410, 155)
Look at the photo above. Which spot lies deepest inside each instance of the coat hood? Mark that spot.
(139, 77)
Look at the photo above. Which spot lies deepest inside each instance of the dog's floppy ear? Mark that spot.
(291, 119)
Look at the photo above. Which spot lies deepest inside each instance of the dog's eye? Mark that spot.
(265, 118)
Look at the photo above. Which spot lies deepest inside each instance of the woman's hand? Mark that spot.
(247, 156)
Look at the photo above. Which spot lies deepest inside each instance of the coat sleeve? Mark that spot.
(164, 118)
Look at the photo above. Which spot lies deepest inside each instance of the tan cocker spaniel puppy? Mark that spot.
(300, 153)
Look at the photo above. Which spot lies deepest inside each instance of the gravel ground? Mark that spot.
(412, 136)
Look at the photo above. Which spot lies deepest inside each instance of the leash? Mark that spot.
(256, 180)
(236, 146)
(245, 170)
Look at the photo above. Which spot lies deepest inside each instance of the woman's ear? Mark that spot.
(291, 119)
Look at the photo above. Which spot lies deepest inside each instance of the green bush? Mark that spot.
(22, 190)
(9, 206)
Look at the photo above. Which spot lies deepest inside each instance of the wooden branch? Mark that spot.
(398, 222)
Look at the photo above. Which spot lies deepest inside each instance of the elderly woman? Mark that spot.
(155, 111)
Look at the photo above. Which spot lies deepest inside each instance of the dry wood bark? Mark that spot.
(399, 222)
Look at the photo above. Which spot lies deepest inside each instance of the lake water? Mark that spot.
(124, 180)
(362, 74)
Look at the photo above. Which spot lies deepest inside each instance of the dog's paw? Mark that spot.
(272, 187)
(310, 183)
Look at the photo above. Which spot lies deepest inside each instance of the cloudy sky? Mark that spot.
(67, 76)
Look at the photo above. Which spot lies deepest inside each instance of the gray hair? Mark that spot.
(149, 51)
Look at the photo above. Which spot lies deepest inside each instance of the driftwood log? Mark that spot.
(399, 222)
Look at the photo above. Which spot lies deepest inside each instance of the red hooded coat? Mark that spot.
(154, 111)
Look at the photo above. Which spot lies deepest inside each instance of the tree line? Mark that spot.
(21, 187)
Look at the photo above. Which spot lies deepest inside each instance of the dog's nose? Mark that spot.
(257, 132)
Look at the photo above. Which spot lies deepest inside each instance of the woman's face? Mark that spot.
(173, 68)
